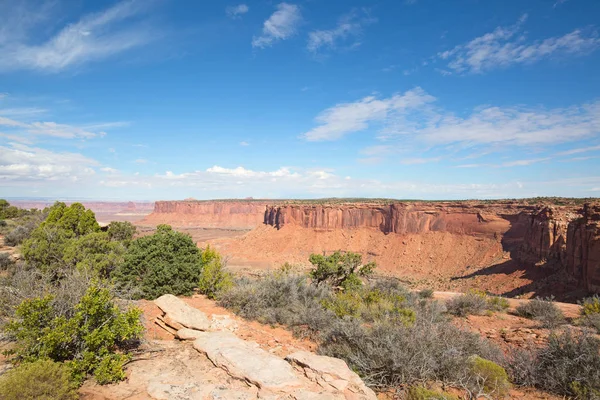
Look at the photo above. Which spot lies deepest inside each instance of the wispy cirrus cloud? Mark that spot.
(281, 25)
(345, 118)
(578, 150)
(414, 118)
(53, 129)
(237, 11)
(506, 46)
(349, 26)
(94, 37)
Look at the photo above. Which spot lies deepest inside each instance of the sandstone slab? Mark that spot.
(332, 372)
(180, 312)
(244, 360)
(188, 334)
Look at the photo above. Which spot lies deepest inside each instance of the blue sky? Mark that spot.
(420, 99)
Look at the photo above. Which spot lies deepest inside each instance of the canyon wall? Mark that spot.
(401, 218)
(566, 237)
(208, 214)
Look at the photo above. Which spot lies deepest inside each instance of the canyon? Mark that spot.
(513, 247)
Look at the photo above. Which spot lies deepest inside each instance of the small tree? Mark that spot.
(46, 245)
(121, 231)
(340, 269)
(167, 262)
(213, 279)
(89, 340)
(94, 252)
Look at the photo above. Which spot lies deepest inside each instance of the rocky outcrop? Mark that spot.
(401, 218)
(565, 237)
(178, 314)
(300, 375)
(243, 214)
(545, 237)
(583, 248)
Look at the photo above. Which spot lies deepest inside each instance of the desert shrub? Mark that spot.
(16, 236)
(94, 252)
(426, 293)
(340, 269)
(121, 231)
(369, 305)
(422, 393)
(6, 261)
(280, 298)
(543, 310)
(74, 219)
(39, 380)
(90, 341)
(167, 262)
(592, 321)
(490, 378)
(8, 212)
(496, 303)
(213, 278)
(388, 354)
(467, 304)
(475, 302)
(45, 247)
(568, 365)
(590, 305)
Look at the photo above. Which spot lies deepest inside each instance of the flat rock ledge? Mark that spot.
(300, 376)
(179, 313)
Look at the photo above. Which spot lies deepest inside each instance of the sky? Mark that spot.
(405, 99)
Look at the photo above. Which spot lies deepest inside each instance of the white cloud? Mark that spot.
(281, 25)
(53, 129)
(61, 130)
(413, 118)
(523, 163)
(141, 161)
(349, 26)
(109, 170)
(237, 11)
(244, 143)
(506, 46)
(345, 118)
(578, 150)
(419, 160)
(94, 37)
(23, 163)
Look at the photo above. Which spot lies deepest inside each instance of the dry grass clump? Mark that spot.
(475, 302)
(39, 380)
(281, 298)
(543, 310)
(388, 335)
(568, 365)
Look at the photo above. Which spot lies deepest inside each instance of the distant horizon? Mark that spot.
(349, 199)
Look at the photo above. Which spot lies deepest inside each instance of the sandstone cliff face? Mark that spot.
(558, 235)
(208, 214)
(545, 237)
(583, 248)
(394, 218)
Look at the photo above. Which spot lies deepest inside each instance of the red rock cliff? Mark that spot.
(399, 218)
(545, 237)
(208, 214)
(583, 248)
